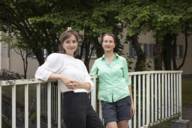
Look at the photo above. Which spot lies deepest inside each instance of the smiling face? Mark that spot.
(108, 43)
(69, 42)
(70, 45)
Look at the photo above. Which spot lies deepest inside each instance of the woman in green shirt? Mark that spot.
(114, 85)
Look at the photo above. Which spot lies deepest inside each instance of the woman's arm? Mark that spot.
(67, 81)
(71, 84)
(44, 71)
(83, 85)
(132, 102)
(94, 69)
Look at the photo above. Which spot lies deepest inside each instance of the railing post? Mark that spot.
(134, 99)
(163, 92)
(26, 106)
(1, 107)
(144, 97)
(172, 94)
(166, 100)
(93, 94)
(38, 98)
(14, 106)
(148, 98)
(175, 93)
(169, 95)
(59, 107)
(152, 96)
(159, 97)
(49, 105)
(180, 95)
(139, 101)
(156, 101)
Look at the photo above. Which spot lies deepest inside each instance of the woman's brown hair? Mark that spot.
(114, 38)
(64, 36)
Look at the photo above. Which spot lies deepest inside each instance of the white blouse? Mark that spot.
(64, 64)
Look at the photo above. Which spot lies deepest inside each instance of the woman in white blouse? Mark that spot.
(73, 81)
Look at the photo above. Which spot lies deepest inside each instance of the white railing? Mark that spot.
(157, 96)
(47, 101)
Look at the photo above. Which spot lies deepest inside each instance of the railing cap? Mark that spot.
(154, 72)
(34, 81)
(20, 82)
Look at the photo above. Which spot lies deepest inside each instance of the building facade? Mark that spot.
(12, 61)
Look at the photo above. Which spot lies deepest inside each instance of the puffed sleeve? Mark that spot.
(125, 71)
(52, 65)
(94, 69)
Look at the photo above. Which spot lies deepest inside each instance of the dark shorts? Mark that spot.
(116, 111)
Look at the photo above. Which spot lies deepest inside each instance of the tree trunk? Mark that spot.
(25, 65)
(99, 49)
(39, 54)
(174, 53)
(141, 58)
(167, 51)
(81, 50)
(185, 52)
(186, 48)
(87, 51)
(158, 56)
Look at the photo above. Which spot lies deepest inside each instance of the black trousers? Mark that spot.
(78, 112)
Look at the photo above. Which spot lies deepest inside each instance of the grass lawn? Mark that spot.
(187, 92)
(166, 124)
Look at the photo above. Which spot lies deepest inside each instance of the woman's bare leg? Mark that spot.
(123, 124)
(112, 125)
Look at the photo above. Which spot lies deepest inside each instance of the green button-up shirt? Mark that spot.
(113, 78)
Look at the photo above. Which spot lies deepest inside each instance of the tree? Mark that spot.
(15, 18)
(19, 48)
(136, 17)
(167, 23)
(24, 56)
(121, 18)
(186, 29)
(102, 20)
(39, 23)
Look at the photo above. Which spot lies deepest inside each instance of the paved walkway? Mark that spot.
(187, 113)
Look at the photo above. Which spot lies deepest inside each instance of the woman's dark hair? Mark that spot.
(114, 38)
(64, 36)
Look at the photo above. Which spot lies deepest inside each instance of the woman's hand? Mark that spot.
(132, 109)
(76, 84)
(73, 84)
(68, 82)
(83, 85)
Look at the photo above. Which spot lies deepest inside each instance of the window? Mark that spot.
(132, 52)
(179, 51)
(93, 56)
(148, 49)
